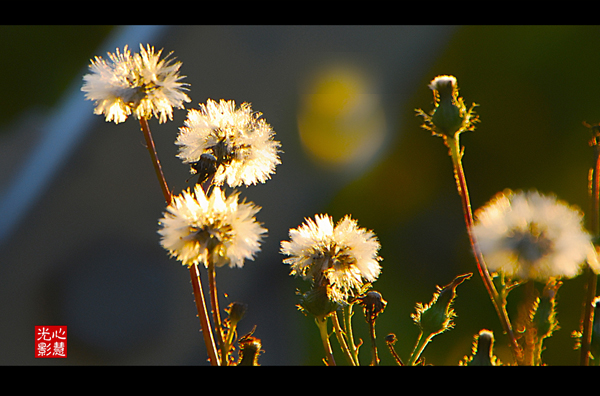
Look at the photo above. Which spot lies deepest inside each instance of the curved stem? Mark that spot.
(209, 341)
(155, 162)
(390, 345)
(461, 184)
(322, 325)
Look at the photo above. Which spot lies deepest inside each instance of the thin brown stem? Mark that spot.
(155, 162)
(375, 357)
(461, 183)
(194, 273)
(209, 341)
(214, 300)
(591, 278)
(390, 341)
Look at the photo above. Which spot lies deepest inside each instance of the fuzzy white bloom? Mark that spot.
(441, 82)
(196, 228)
(344, 256)
(239, 139)
(533, 236)
(141, 84)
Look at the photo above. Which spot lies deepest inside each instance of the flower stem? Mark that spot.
(419, 348)
(530, 336)
(155, 162)
(322, 325)
(194, 273)
(209, 341)
(390, 341)
(591, 278)
(461, 184)
(229, 339)
(340, 335)
(348, 330)
(375, 357)
(214, 299)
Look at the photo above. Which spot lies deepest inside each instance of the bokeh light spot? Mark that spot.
(341, 119)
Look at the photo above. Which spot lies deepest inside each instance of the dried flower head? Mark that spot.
(196, 228)
(533, 236)
(240, 141)
(343, 257)
(141, 84)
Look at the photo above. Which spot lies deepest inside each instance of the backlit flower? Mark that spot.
(344, 256)
(450, 116)
(141, 84)
(196, 228)
(533, 236)
(240, 141)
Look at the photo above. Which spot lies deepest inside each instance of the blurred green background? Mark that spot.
(41, 61)
(535, 86)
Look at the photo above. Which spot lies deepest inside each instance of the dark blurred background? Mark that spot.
(79, 202)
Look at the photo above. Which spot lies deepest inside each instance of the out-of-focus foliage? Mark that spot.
(40, 61)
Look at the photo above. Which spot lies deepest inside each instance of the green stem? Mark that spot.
(349, 334)
(530, 336)
(214, 300)
(322, 325)
(228, 342)
(419, 348)
(461, 183)
(340, 335)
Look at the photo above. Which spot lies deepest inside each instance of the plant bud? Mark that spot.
(436, 317)
(373, 304)
(317, 302)
(249, 350)
(448, 115)
(483, 350)
(236, 312)
(544, 318)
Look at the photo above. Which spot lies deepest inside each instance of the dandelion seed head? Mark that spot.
(196, 228)
(141, 84)
(533, 236)
(344, 256)
(241, 141)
